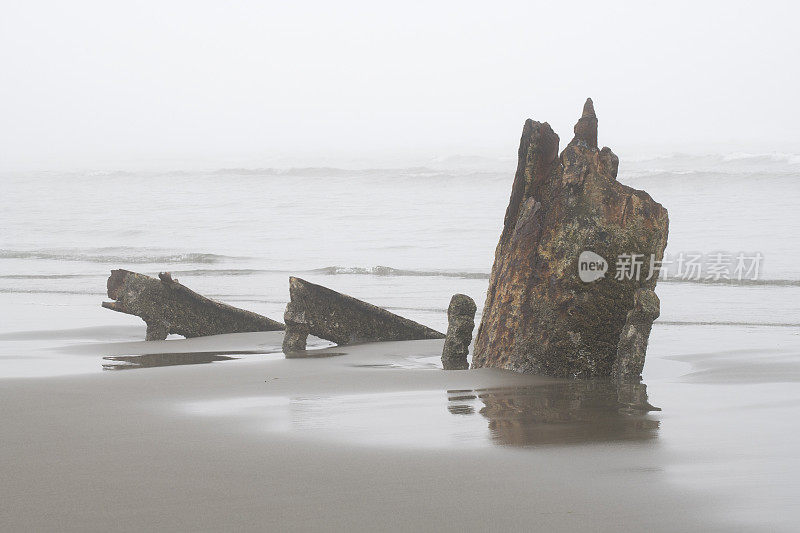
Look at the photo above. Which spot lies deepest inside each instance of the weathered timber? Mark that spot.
(540, 315)
(632, 346)
(460, 323)
(342, 319)
(167, 307)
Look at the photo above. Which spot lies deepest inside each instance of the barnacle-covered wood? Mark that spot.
(342, 319)
(539, 316)
(167, 307)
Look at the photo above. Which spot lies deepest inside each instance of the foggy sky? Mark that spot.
(120, 84)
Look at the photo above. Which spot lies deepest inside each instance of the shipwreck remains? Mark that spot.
(541, 316)
(330, 315)
(167, 307)
(460, 323)
(632, 346)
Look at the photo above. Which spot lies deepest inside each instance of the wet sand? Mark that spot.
(377, 437)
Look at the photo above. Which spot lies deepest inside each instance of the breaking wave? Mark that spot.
(727, 323)
(731, 158)
(48, 276)
(738, 282)
(127, 256)
(8, 290)
(389, 271)
(114, 255)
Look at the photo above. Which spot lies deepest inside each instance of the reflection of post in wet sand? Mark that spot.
(126, 362)
(559, 413)
(311, 354)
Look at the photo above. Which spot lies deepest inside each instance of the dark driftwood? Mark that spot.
(342, 319)
(167, 307)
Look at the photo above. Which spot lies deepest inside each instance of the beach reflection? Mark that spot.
(128, 362)
(312, 354)
(543, 414)
(560, 413)
(150, 360)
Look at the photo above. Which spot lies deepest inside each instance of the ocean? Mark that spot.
(405, 239)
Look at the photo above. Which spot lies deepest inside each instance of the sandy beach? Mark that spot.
(421, 267)
(103, 431)
(375, 436)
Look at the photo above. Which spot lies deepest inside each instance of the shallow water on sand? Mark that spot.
(550, 414)
(129, 362)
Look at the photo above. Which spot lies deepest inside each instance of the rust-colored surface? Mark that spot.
(539, 316)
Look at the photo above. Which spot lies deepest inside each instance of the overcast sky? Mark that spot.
(98, 84)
